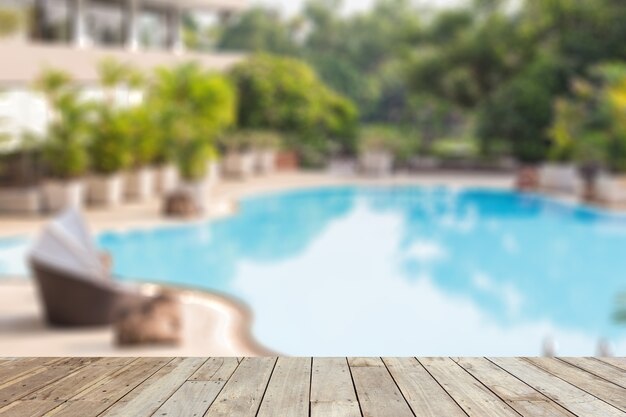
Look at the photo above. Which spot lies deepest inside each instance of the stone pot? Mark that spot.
(239, 164)
(18, 200)
(610, 188)
(213, 172)
(563, 177)
(266, 161)
(376, 162)
(105, 190)
(166, 178)
(61, 194)
(140, 184)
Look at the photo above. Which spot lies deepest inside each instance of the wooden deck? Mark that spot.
(318, 387)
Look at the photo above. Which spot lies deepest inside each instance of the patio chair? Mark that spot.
(73, 281)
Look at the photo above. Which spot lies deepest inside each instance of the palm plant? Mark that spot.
(192, 108)
(64, 147)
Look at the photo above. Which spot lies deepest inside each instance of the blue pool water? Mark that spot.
(398, 270)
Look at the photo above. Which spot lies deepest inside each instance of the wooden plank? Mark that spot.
(37, 378)
(354, 362)
(100, 396)
(607, 391)
(568, 396)
(332, 391)
(617, 362)
(423, 394)
(147, 397)
(16, 368)
(471, 395)
(244, 390)
(51, 396)
(601, 369)
(216, 369)
(287, 393)
(377, 392)
(519, 396)
(193, 398)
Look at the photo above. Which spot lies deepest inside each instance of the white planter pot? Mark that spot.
(213, 172)
(166, 178)
(266, 161)
(240, 164)
(377, 163)
(611, 188)
(140, 184)
(560, 177)
(20, 200)
(200, 191)
(59, 195)
(105, 190)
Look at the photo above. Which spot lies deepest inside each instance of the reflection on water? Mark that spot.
(402, 270)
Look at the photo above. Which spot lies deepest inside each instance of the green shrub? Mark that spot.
(521, 111)
(144, 140)
(456, 148)
(109, 145)
(286, 95)
(590, 126)
(243, 139)
(192, 107)
(63, 148)
(403, 143)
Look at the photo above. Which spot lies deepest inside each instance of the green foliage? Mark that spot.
(192, 108)
(590, 126)
(257, 30)
(109, 144)
(456, 148)
(240, 140)
(285, 94)
(520, 112)
(11, 21)
(64, 146)
(402, 143)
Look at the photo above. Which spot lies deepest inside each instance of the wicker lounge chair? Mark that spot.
(74, 282)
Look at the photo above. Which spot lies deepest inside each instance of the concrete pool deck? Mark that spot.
(216, 325)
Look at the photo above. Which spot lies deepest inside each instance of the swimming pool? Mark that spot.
(398, 271)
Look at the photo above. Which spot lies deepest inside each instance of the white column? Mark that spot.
(131, 24)
(79, 28)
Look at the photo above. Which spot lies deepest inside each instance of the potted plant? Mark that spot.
(63, 148)
(140, 180)
(239, 156)
(266, 144)
(110, 154)
(376, 156)
(191, 107)
(20, 191)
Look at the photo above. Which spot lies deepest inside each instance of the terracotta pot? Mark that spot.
(287, 161)
(527, 178)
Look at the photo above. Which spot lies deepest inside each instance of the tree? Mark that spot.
(285, 94)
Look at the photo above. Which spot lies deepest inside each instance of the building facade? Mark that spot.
(75, 35)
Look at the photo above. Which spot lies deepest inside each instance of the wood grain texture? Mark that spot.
(469, 393)
(312, 387)
(565, 394)
(424, 395)
(288, 391)
(519, 396)
(242, 394)
(376, 390)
